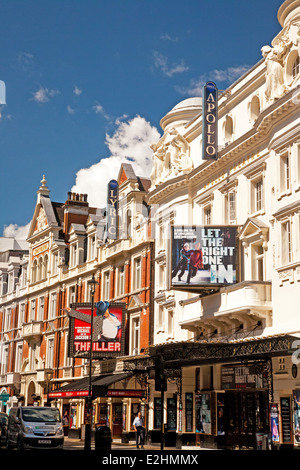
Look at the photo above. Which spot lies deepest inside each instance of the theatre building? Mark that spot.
(227, 258)
(68, 247)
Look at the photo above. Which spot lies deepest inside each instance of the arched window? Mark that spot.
(296, 67)
(34, 271)
(228, 129)
(254, 108)
(40, 269)
(45, 267)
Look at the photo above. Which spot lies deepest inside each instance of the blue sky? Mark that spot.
(87, 82)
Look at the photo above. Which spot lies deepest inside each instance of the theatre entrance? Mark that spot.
(246, 415)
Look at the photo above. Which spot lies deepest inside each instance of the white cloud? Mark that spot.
(44, 94)
(167, 37)
(70, 109)
(226, 77)
(98, 108)
(77, 91)
(25, 61)
(130, 143)
(16, 231)
(162, 63)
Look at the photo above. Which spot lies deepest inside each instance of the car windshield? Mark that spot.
(49, 415)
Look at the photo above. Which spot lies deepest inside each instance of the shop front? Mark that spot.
(114, 405)
(219, 395)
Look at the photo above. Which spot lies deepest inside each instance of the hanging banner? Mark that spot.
(210, 122)
(108, 336)
(112, 210)
(203, 256)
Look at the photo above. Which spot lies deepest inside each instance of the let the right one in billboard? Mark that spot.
(203, 256)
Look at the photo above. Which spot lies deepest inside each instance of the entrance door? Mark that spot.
(246, 413)
(117, 419)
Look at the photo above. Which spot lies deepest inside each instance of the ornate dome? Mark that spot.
(182, 112)
(288, 12)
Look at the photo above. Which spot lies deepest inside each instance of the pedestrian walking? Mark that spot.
(138, 425)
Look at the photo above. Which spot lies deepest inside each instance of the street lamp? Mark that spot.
(87, 442)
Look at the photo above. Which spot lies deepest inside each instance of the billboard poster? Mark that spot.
(296, 396)
(203, 256)
(274, 424)
(210, 122)
(108, 329)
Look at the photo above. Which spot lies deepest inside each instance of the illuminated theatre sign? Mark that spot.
(203, 256)
(210, 122)
(112, 210)
(108, 336)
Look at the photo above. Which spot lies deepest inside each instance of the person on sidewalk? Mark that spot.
(139, 430)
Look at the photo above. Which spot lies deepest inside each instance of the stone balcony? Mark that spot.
(247, 302)
(43, 376)
(11, 379)
(32, 331)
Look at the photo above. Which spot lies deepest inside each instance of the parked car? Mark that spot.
(31, 427)
(3, 428)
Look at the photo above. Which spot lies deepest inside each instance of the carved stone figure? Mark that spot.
(275, 76)
(170, 157)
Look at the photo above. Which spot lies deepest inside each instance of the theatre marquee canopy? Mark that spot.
(100, 384)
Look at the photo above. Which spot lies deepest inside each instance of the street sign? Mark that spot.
(4, 397)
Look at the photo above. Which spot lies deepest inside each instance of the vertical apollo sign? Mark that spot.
(112, 210)
(210, 122)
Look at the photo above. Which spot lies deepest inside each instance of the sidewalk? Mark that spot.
(77, 444)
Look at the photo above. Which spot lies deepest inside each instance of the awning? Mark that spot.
(80, 388)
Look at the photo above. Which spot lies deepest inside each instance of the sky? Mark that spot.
(88, 81)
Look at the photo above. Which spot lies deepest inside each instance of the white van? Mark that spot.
(31, 427)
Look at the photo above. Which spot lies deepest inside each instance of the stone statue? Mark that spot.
(158, 162)
(170, 157)
(274, 76)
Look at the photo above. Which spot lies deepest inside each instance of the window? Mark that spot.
(32, 310)
(50, 353)
(121, 280)
(55, 263)
(296, 67)
(284, 173)
(92, 247)
(258, 195)
(135, 335)
(74, 255)
(68, 360)
(207, 215)
(254, 108)
(19, 355)
(170, 323)
(21, 315)
(228, 129)
(258, 263)
(4, 361)
(41, 309)
(230, 207)
(72, 295)
(106, 286)
(32, 356)
(34, 271)
(52, 305)
(160, 319)
(137, 273)
(7, 319)
(286, 242)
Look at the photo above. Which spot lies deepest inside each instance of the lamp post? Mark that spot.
(87, 442)
(48, 377)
